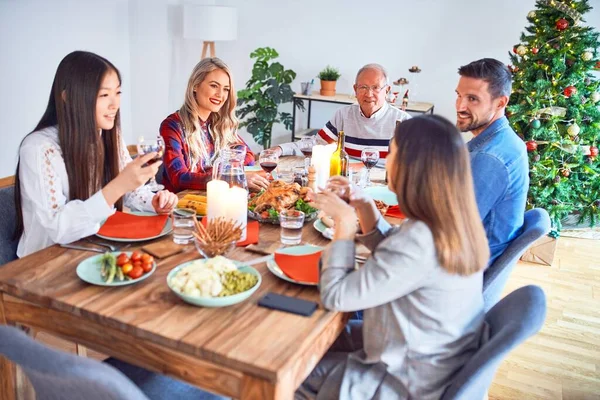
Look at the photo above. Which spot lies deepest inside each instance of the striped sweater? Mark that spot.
(360, 131)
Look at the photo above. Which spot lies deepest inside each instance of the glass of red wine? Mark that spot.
(369, 156)
(146, 146)
(306, 147)
(268, 161)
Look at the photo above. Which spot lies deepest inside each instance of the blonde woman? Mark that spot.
(203, 126)
(421, 286)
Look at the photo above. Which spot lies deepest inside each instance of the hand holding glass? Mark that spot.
(146, 146)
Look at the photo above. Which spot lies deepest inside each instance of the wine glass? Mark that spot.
(146, 146)
(268, 161)
(369, 156)
(306, 145)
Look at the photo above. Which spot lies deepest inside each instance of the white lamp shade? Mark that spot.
(209, 23)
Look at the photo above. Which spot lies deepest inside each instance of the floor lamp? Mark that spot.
(209, 23)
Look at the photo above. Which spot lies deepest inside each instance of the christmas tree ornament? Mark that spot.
(597, 203)
(556, 46)
(554, 111)
(570, 91)
(562, 24)
(569, 62)
(521, 50)
(565, 173)
(515, 49)
(535, 50)
(535, 124)
(595, 97)
(557, 179)
(536, 158)
(531, 145)
(573, 130)
(554, 202)
(587, 56)
(576, 139)
(593, 151)
(531, 14)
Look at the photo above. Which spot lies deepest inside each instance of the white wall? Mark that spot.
(34, 36)
(143, 39)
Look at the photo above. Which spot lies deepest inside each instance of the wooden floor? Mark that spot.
(563, 360)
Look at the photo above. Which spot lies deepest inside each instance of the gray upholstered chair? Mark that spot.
(56, 375)
(535, 225)
(515, 318)
(8, 218)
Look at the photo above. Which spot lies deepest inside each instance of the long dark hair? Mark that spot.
(91, 160)
(432, 180)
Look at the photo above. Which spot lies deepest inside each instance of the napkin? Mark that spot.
(394, 212)
(130, 226)
(300, 267)
(251, 233)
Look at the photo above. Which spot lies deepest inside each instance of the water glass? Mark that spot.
(291, 222)
(184, 222)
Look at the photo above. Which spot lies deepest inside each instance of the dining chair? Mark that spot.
(536, 224)
(8, 218)
(58, 375)
(515, 318)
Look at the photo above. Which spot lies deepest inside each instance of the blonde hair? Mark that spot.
(224, 124)
(433, 183)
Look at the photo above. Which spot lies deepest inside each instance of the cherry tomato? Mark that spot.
(135, 256)
(147, 267)
(147, 258)
(126, 268)
(264, 214)
(137, 263)
(122, 259)
(136, 272)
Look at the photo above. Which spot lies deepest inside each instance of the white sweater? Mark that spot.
(48, 215)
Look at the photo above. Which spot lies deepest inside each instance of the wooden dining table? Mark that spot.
(243, 351)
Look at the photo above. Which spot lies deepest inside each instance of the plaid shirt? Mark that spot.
(178, 175)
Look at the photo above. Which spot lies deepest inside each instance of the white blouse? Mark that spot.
(48, 215)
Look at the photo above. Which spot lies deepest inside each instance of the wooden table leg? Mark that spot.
(7, 368)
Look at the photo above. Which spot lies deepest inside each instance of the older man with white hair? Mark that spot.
(370, 123)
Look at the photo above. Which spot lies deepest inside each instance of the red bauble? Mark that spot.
(540, 62)
(593, 151)
(562, 24)
(570, 91)
(515, 49)
(531, 145)
(597, 65)
(535, 50)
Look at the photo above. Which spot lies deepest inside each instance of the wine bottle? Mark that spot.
(340, 162)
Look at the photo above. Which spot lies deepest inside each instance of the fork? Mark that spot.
(103, 244)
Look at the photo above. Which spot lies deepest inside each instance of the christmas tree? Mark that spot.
(554, 108)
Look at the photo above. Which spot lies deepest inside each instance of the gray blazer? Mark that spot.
(421, 324)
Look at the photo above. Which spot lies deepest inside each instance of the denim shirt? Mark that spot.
(501, 178)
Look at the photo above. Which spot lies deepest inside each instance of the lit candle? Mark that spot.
(321, 158)
(237, 207)
(229, 203)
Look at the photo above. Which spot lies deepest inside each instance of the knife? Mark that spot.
(74, 247)
(257, 260)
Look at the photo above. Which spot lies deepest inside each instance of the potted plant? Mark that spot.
(328, 78)
(267, 88)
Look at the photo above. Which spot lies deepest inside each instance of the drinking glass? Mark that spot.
(268, 161)
(146, 146)
(343, 191)
(369, 157)
(306, 145)
(291, 222)
(183, 225)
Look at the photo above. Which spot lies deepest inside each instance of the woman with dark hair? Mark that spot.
(421, 288)
(74, 168)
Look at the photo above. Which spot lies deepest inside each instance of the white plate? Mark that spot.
(274, 268)
(382, 193)
(168, 228)
(321, 227)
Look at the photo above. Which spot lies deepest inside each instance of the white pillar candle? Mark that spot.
(321, 158)
(216, 195)
(237, 207)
